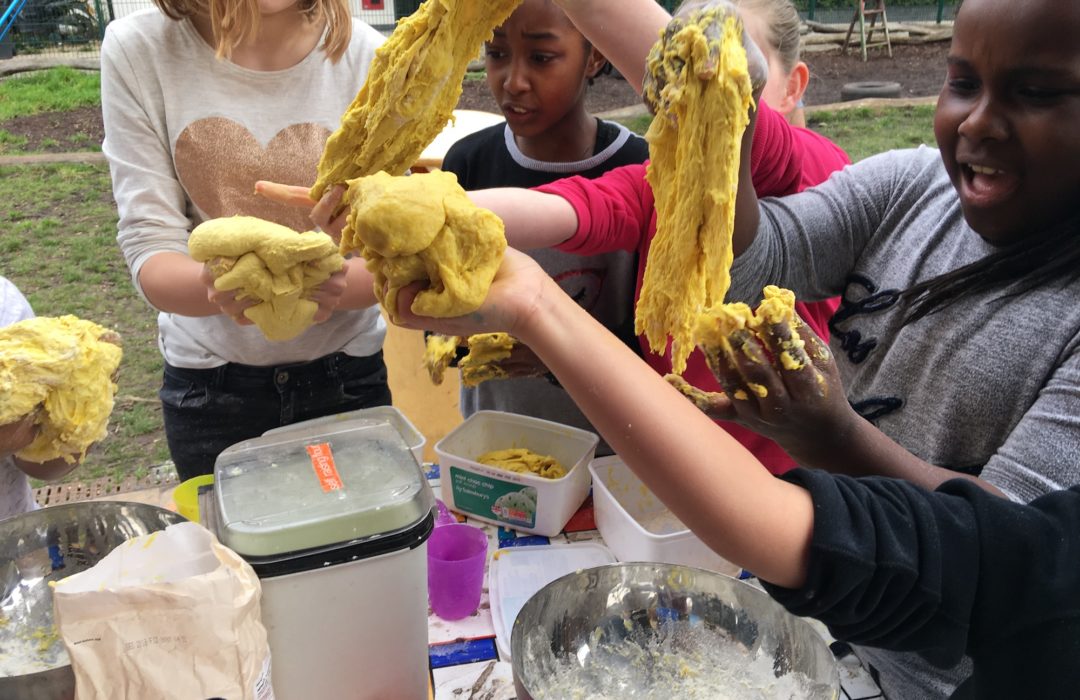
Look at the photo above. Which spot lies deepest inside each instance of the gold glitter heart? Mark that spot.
(218, 162)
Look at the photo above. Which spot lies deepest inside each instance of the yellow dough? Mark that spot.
(485, 351)
(704, 400)
(61, 369)
(270, 263)
(522, 461)
(694, 149)
(479, 365)
(424, 228)
(413, 85)
(439, 352)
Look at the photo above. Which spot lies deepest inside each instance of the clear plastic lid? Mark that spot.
(335, 485)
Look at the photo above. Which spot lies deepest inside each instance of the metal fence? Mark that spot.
(77, 26)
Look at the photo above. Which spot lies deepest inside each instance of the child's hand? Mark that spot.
(328, 294)
(802, 408)
(522, 362)
(514, 295)
(16, 436)
(226, 300)
(662, 76)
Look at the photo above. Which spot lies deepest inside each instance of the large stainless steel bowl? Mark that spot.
(641, 630)
(47, 545)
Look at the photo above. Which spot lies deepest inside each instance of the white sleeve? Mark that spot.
(13, 305)
(151, 202)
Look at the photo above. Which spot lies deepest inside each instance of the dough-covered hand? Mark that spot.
(522, 362)
(328, 294)
(666, 73)
(514, 294)
(225, 300)
(799, 403)
(17, 435)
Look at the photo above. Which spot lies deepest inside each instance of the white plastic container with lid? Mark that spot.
(525, 502)
(413, 437)
(637, 526)
(335, 522)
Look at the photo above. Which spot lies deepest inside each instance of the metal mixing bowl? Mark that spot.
(47, 545)
(579, 628)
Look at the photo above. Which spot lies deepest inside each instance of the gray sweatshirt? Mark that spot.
(986, 386)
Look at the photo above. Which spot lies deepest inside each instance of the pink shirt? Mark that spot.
(616, 212)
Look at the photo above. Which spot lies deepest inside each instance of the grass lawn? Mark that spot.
(58, 244)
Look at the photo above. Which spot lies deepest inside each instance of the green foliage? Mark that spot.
(864, 131)
(53, 90)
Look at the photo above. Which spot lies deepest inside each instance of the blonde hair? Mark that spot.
(782, 23)
(235, 21)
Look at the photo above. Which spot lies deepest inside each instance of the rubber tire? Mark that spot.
(869, 88)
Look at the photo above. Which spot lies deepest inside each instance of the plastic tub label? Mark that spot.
(322, 461)
(505, 501)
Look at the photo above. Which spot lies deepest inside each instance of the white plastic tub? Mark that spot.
(413, 438)
(636, 526)
(524, 502)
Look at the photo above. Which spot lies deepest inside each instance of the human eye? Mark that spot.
(494, 52)
(542, 58)
(1040, 93)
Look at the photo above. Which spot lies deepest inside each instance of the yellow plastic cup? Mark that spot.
(186, 496)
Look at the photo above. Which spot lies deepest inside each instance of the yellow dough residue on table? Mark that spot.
(60, 370)
(694, 148)
(413, 85)
(270, 263)
(523, 461)
(423, 228)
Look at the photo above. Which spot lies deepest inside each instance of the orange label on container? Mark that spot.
(322, 461)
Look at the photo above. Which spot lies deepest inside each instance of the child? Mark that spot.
(958, 338)
(15, 494)
(785, 160)
(538, 69)
(774, 27)
(880, 561)
(200, 101)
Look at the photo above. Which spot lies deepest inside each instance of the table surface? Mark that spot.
(464, 660)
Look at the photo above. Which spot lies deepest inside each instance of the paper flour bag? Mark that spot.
(173, 614)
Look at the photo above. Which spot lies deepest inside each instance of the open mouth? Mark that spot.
(985, 186)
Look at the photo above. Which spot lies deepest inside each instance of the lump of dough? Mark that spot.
(485, 351)
(62, 369)
(270, 263)
(694, 150)
(439, 352)
(412, 87)
(424, 228)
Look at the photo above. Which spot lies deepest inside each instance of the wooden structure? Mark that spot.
(866, 35)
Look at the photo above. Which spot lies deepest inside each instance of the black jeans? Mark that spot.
(207, 410)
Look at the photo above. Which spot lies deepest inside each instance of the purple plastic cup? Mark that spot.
(456, 556)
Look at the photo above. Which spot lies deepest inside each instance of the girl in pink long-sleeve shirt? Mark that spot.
(616, 212)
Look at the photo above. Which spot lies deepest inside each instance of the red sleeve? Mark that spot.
(613, 210)
(786, 159)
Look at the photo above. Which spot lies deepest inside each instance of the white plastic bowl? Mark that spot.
(524, 502)
(636, 526)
